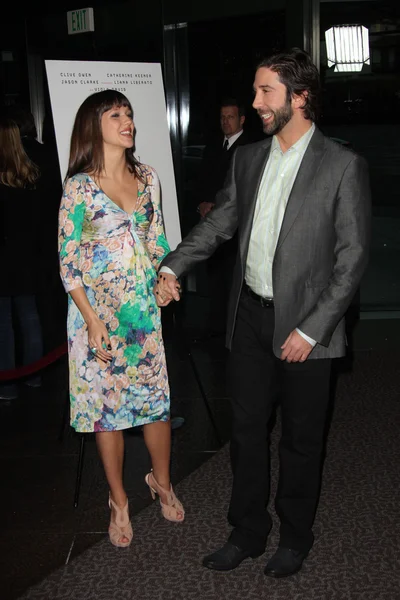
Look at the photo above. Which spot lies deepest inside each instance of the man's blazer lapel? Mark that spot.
(303, 183)
(254, 173)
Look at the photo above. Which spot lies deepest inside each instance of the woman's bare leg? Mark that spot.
(110, 445)
(157, 437)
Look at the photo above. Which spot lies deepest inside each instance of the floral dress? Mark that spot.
(114, 256)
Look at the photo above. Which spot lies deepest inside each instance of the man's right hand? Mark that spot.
(166, 289)
(204, 208)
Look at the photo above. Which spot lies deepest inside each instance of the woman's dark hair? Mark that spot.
(16, 168)
(24, 119)
(300, 76)
(86, 149)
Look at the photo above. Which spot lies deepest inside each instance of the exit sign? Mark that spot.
(80, 21)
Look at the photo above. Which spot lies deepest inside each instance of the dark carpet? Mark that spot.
(356, 555)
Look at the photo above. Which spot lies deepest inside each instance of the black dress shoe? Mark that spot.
(284, 562)
(228, 557)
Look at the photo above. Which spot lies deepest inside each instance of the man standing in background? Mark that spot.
(213, 169)
(218, 153)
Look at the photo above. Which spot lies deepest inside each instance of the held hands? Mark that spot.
(166, 289)
(295, 348)
(99, 342)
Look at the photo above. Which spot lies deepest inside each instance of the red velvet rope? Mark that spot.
(38, 365)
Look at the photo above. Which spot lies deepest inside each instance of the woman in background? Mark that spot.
(51, 300)
(21, 256)
(111, 241)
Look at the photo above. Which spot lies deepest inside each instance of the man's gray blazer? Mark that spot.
(322, 249)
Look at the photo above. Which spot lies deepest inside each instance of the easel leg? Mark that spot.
(65, 416)
(79, 470)
(185, 345)
(205, 399)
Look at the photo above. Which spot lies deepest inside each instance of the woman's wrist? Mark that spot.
(91, 319)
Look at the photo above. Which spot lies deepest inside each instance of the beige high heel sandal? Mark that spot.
(173, 510)
(121, 526)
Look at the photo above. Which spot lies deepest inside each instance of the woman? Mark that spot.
(111, 241)
(21, 256)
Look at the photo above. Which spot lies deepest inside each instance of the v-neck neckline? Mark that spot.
(139, 193)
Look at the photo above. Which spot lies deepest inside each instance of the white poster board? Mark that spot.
(70, 82)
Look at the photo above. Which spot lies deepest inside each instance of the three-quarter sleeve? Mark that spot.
(156, 241)
(71, 217)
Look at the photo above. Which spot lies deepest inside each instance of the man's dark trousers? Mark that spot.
(255, 376)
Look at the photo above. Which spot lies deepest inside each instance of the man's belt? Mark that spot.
(265, 302)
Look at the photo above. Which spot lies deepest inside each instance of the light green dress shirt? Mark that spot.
(273, 195)
(276, 184)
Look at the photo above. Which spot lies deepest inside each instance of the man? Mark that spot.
(214, 167)
(301, 204)
(218, 153)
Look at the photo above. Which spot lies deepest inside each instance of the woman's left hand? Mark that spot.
(166, 289)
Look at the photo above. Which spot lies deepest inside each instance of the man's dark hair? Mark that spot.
(299, 74)
(234, 102)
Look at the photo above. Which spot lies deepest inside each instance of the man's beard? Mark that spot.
(281, 117)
